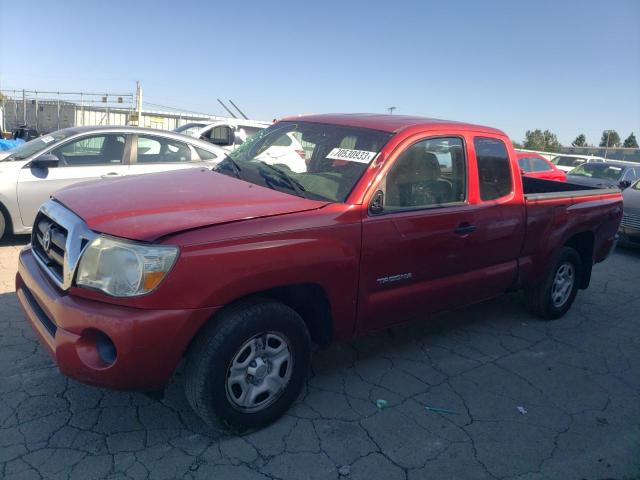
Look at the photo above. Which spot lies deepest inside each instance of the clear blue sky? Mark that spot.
(570, 66)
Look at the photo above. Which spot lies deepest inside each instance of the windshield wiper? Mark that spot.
(234, 166)
(295, 184)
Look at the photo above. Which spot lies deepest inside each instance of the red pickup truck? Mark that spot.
(238, 269)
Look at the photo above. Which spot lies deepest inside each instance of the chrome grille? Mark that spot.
(58, 239)
(49, 242)
(631, 220)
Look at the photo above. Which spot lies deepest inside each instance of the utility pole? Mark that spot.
(606, 147)
(24, 107)
(139, 102)
(391, 109)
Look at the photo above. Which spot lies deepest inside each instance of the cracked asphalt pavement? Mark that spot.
(512, 397)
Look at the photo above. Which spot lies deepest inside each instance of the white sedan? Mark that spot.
(30, 173)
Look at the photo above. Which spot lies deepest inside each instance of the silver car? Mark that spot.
(30, 173)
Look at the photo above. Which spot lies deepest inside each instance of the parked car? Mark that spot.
(536, 166)
(395, 218)
(287, 152)
(606, 174)
(31, 172)
(231, 134)
(227, 134)
(630, 226)
(569, 162)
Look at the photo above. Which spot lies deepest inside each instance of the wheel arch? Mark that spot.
(584, 244)
(309, 300)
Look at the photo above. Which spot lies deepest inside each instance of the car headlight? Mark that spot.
(123, 268)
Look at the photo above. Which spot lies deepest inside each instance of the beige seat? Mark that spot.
(416, 180)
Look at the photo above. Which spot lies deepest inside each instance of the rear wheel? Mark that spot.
(553, 298)
(248, 366)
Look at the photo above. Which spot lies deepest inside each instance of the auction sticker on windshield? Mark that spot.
(47, 139)
(360, 156)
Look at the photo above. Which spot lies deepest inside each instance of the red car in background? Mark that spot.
(534, 165)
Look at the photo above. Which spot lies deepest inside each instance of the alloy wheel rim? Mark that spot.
(562, 284)
(259, 372)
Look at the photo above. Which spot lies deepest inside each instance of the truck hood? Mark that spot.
(147, 207)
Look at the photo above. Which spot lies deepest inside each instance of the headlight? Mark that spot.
(122, 268)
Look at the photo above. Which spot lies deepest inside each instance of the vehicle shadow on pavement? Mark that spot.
(14, 240)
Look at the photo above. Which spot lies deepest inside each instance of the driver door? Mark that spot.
(89, 157)
(414, 249)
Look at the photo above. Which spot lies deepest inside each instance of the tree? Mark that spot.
(516, 144)
(580, 141)
(544, 141)
(610, 138)
(630, 142)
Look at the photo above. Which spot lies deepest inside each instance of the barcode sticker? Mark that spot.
(360, 156)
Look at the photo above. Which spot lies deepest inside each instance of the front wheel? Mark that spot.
(553, 298)
(3, 224)
(248, 366)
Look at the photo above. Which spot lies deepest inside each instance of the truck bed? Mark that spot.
(539, 189)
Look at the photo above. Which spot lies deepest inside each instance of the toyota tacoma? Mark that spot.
(237, 269)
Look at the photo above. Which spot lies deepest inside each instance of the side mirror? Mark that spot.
(377, 203)
(624, 184)
(48, 160)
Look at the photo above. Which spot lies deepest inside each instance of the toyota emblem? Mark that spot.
(46, 239)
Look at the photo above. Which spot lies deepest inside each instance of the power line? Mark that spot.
(179, 109)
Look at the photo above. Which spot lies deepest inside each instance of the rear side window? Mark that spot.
(494, 169)
(162, 150)
(205, 154)
(539, 165)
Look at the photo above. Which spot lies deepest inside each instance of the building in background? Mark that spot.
(50, 111)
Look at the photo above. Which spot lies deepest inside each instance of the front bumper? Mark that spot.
(146, 344)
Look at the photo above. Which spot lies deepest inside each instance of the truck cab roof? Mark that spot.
(388, 123)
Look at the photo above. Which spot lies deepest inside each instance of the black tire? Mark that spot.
(219, 343)
(540, 301)
(3, 224)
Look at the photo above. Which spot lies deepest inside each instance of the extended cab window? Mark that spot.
(494, 168)
(429, 173)
(162, 150)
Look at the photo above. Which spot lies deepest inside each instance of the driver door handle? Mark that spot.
(465, 228)
(111, 175)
